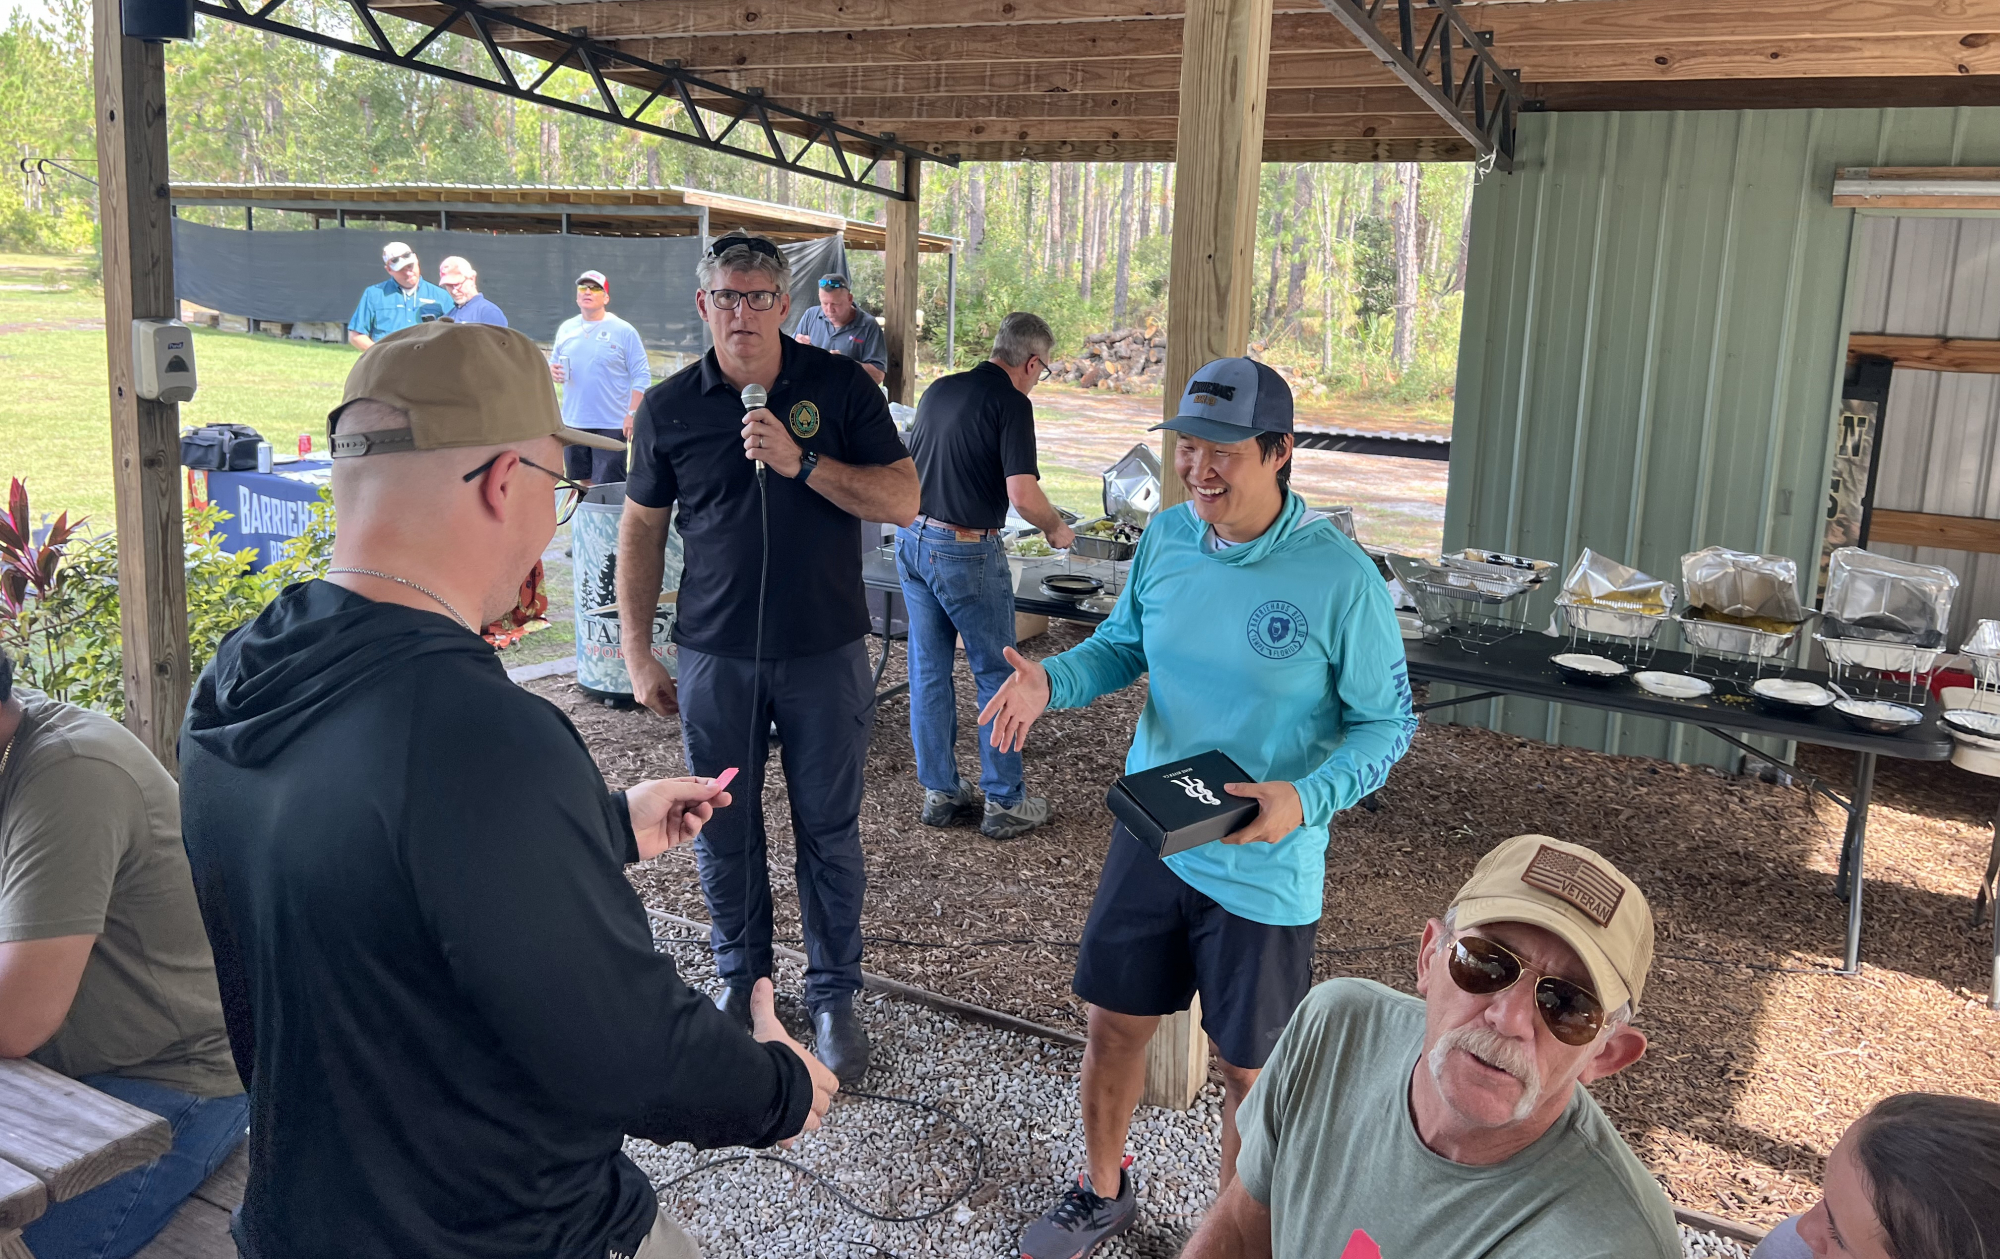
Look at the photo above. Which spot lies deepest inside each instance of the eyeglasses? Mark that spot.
(571, 491)
(1046, 371)
(1572, 1012)
(759, 299)
(589, 288)
(755, 244)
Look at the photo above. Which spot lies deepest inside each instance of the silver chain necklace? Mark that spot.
(404, 581)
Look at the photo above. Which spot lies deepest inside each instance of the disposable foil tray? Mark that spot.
(1423, 579)
(1865, 653)
(1595, 618)
(1500, 567)
(1982, 652)
(1703, 634)
(1091, 547)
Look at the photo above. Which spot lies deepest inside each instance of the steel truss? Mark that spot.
(750, 110)
(1452, 67)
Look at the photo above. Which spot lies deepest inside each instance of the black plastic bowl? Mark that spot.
(1071, 585)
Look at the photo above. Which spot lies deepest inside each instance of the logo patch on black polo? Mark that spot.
(804, 419)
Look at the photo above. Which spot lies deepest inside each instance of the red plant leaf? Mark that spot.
(13, 589)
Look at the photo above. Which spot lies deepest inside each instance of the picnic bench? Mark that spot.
(59, 1139)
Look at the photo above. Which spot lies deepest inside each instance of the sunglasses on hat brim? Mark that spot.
(833, 284)
(1482, 967)
(755, 244)
(400, 261)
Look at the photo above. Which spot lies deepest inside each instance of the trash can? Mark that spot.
(600, 659)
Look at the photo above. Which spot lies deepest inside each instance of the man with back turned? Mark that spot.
(770, 614)
(441, 990)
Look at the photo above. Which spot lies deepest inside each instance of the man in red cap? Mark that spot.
(601, 364)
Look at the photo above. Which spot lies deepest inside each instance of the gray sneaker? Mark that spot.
(944, 808)
(1082, 1221)
(1012, 823)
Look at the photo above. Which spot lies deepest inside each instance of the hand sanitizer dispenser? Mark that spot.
(162, 360)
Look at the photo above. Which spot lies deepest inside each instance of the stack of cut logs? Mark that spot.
(1129, 360)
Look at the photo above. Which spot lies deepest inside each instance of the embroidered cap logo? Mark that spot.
(1580, 882)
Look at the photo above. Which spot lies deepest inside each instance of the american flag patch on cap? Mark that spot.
(1580, 882)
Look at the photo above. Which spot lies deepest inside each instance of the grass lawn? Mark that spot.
(54, 433)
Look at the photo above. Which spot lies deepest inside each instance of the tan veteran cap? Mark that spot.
(462, 385)
(1574, 892)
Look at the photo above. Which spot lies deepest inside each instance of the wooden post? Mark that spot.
(899, 288)
(137, 232)
(1219, 150)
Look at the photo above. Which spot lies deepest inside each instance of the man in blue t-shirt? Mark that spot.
(405, 298)
(456, 277)
(840, 327)
(601, 364)
(1267, 635)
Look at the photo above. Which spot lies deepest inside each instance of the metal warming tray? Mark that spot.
(1095, 548)
(1596, 618)
(1742, 640)
(1882, 657)
(1499, 566)
(1982, 652)
(1419, 575)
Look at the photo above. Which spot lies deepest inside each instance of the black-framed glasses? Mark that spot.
(571, 491)
(1046, 371)
(755, 244)
(1484, 967)
(758, 299)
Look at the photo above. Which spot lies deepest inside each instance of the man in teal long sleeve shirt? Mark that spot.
(1269, 635)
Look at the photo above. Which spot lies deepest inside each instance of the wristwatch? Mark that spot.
(808, 460)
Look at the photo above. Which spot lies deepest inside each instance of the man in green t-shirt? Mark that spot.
(1391, 1127)
(105, 972)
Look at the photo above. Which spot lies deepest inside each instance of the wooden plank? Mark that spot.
(199, 1230)
(1694, 58)
(899, 287)
(1721, 1226)
(1946, 533)
(12, 1247)
(23, 1197)
(1220, 139)
(136, 229)
(1930, 354)
(1088, 130)
(1881, 92)
(225, 1186)
(1176, 1060)
(988, 107)
(1417, 149)
(68, 1135)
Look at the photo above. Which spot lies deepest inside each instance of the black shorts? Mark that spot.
(1152, 941)
(599, 467)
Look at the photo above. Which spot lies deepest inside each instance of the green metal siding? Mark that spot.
(1652, 346)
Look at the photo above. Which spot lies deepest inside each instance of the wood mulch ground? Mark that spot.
(1759, 1058)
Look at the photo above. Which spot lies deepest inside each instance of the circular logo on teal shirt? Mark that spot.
(1277, 629)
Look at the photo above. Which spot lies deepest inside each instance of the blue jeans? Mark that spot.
(964, 590)
(120, 1216)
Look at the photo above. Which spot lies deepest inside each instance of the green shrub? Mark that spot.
(65, 634)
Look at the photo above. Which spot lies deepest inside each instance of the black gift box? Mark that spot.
(1177, 806)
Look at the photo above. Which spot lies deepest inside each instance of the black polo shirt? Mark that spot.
(973, 431)
(687, 447)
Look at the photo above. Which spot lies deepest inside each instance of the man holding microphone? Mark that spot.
(773, 452)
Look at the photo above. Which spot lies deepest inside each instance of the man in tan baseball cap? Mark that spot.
(431, 884)
(1454, 1122)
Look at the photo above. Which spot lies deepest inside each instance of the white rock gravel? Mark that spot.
(1017, 1092)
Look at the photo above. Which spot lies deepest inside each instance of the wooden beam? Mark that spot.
(899, 287)
(68, 1135)
(1692, 57)
(1423, 149)
(1221, 142)
(1928, 354)
(1031, 78)
(1945, 533)
(23, 1198)
(1316, 102)
(136, 228)
(941, 135)
(1888, 92)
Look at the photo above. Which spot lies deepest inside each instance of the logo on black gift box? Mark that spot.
(1277, 629)
(1195, 788)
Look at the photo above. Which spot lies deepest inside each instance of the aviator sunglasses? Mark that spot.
(1479, 966)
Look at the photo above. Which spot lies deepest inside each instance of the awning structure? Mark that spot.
(671, 211)
(1100, 80)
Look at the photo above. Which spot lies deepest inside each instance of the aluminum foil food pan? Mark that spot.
(1091, 547)
(1132, 486)
(1598, 579)
(1865, 653)
(1738, 583)
(1598, 618)
(1982, 652)
(1420, 577)
(1742, 640)
(1499, 566)
(1874, 597)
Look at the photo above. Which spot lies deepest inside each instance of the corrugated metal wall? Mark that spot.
(1938, 277)
(1653, 339)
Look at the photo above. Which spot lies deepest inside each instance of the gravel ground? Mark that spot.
(1019, 1096)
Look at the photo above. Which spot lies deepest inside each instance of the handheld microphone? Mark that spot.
(753, 398)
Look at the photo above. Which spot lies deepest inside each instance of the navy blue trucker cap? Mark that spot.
(1233, 400)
